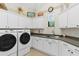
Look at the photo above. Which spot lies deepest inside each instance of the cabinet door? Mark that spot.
(28, 22)
(46, 46)
(66, 51)
(35, 43)
(40, 44)
(3, 19)
(63, 20)
(39, 22)
(73, 17)
(12, 20)
(53, 47)
(22, 22)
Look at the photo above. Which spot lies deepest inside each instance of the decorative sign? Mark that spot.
(51, 21)
(40, 13)
(30, 14)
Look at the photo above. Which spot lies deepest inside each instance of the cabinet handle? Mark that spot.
(72, 52)
(77, 25)
(50, 42)
(77, 50)
(69, 50)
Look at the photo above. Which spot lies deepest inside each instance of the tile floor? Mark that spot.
(35, 52)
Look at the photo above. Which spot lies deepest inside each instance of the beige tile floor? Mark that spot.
(35, 52)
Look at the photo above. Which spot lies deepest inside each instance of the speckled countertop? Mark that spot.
(71, 40)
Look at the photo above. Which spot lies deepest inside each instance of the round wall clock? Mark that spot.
(50, 9)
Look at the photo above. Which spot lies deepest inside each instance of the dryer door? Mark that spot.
(7, 42)
(25, 38)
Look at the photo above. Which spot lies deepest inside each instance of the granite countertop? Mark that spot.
(71, 40)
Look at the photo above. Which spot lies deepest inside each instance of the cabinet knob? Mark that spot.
(69, 50)
(5, 26)
(72, 52)
(77, 25)
(66, 26)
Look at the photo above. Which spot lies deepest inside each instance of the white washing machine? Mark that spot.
(8, 43)
(24, 42)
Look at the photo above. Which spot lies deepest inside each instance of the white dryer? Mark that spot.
(8, 43)
(24, 42)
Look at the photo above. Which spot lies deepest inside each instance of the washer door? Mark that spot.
(7, 42)
(25, 38)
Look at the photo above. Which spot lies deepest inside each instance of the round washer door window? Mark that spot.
(25, 38)
(7, 42)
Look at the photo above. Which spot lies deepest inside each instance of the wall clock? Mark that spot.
(50, 9)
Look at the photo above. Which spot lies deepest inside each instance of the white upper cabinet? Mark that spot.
(73, 17)
(70, 18)
(24, 22)
(12, 20)
(63, 20)
(39, 22)
(3, 19)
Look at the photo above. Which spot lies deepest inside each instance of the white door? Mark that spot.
(63, 20)
(73, 17)
(12, 20)
(3, 19)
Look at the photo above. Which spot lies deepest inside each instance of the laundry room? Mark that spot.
(39, 29)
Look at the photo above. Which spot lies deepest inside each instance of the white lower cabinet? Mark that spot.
(69, 50)
(54, 47)
(49, 46)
